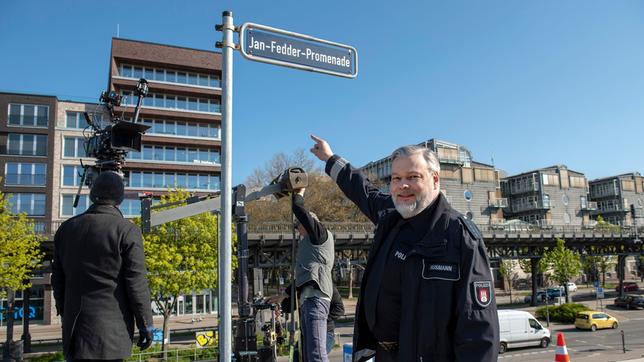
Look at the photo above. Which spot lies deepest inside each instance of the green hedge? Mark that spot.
(564, 313)
(51, 357)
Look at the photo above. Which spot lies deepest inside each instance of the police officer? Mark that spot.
(427, 291)
(99, 279)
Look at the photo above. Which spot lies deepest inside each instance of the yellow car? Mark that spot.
(594, 320)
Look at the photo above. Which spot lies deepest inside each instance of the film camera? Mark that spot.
(109, 144)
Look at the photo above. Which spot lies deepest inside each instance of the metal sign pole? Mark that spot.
(225, 231)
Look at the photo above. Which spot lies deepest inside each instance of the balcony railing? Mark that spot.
(450, 160)
(535, 205)
(515, 190)
(610, 208)
(590, 206)
(594, 193)
(499, 203)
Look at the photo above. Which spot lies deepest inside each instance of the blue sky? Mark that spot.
(528, 83)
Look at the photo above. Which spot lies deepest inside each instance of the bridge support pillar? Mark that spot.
(534, 271)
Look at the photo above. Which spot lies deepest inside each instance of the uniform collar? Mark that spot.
(104, 209)
(426, 222)
(429, 216)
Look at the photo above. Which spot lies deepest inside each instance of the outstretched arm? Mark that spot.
(369, 199)
(316, 231)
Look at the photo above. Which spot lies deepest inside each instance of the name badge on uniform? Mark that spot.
(482, 292)
(441, 271)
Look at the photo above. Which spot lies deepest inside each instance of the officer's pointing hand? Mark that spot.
(321, 149)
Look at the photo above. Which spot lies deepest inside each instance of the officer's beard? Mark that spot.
(408, 210)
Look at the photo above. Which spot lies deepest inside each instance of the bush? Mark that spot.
(50, 357)
(565, 313)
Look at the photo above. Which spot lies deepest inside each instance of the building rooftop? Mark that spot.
(628, 174)
(164, 45)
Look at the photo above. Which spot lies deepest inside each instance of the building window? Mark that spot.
(74, 147)
(67, 205)
(71, 175)
(36, 305)
(170, 76)
(170, 154)
(30, 115)
(584, 202)
(25, 174)
(31, 204)
(165, 180)
(76, 120)
(26, 144)
(565, 199)
(131, 207)
(166, 101)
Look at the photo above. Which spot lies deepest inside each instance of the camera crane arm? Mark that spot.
(291, 179)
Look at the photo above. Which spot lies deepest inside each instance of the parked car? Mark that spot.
(572, 287)
(628, 287)
(630, 302)
(555, 293)
(550, 293)
(594, 320)
(541, 297)
(521, 329)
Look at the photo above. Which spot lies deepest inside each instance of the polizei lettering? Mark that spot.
(291, 50)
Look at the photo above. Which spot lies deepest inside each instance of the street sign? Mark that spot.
(157, 336)
(205, 339)
(281, 47)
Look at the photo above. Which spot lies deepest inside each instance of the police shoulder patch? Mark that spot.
(471, 228)
(482, 291)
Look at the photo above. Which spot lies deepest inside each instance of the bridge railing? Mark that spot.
(282, 228)
(486, 229)
(48, 229)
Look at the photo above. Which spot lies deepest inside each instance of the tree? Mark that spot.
(526, 266)
(274, 167)
(323, 196)
(599, 264)
(605, 226)
(181, 257)
(506, 268)
(564, 263)
(19, 255)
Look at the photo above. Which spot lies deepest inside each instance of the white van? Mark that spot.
(521, 329)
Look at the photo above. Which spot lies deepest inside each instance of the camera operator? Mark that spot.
(99, 279)
(336, 311)
(314, 261)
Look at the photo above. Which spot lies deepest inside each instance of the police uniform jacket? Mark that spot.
(448, 310)
(99, 282)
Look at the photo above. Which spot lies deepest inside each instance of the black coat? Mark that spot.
(448, 310)
(100, 285)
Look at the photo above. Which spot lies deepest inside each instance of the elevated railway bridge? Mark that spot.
(270, 243)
